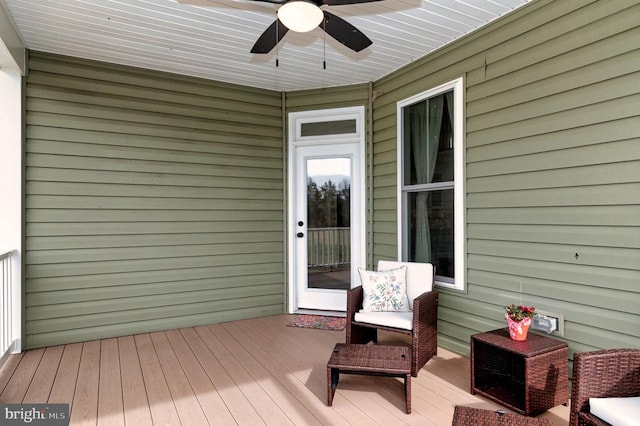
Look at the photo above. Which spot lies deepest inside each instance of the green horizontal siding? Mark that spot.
(153, 201)
(552, 149)
(332, 97)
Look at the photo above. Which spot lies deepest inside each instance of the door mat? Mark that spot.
(318, 321)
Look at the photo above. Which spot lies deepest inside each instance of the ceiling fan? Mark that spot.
(305, 15)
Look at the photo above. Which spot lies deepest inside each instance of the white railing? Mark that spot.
(329, 246)
(7, 314)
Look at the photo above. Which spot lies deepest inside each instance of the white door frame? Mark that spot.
(358, 208)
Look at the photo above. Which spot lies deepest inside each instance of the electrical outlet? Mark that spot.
(548, 322)
(545, 323)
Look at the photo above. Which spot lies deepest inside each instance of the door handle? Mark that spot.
(300, 235)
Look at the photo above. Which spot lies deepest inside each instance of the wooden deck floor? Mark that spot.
(246, 372)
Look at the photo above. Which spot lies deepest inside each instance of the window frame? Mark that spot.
(457, 85)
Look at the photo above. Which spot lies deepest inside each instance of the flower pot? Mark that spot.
(518, 329)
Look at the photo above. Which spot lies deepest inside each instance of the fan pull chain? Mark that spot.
(324, 43)
(277, 50)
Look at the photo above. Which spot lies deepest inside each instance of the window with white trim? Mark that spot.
(430, 176)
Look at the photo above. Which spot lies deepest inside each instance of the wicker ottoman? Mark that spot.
(375, 360)
(468, 416)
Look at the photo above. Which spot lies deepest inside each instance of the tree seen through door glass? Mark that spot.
(329, 223)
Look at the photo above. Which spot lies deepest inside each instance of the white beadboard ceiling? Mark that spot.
(212, 38)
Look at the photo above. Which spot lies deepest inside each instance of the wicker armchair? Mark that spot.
(467, 416)
(609, 373)
(424, 314)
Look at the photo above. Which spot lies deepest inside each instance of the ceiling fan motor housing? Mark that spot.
(305, 15)
(300, 16)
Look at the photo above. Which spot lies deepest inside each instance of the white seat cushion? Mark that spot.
(419, 277)
(616, 411)
(402, 320)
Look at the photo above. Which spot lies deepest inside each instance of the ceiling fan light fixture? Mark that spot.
(300, 15)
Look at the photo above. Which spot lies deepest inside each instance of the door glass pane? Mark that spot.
(431, 231)
(329, 223)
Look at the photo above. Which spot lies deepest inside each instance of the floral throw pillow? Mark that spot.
(384, 291)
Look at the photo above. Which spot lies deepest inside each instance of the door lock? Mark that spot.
(300, 235)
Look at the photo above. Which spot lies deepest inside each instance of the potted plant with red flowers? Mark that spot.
(519, 319)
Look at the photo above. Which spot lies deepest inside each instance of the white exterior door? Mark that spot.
(326, 225)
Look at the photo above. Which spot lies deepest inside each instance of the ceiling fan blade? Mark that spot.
(344, 2)
(345, 33)
(321, 2)
(267, 41)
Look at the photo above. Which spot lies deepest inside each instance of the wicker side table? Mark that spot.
(375, 360)
(528, 377)
(466, 416)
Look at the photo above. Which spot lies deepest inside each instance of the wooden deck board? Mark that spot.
(134, 395)
(280, 364)
(240, 408)
(163, 410)
(251, 372)
(7, 371)
(64, 385)
(84, 409)
(210, 401)
(110, 404)
(183, 397)
(19, 383)
(40, 387)
(269, 380)
(255, 393)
